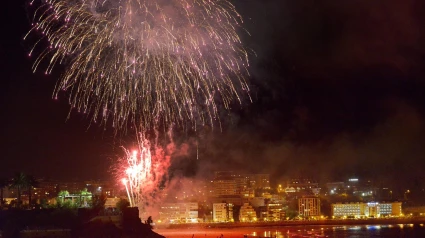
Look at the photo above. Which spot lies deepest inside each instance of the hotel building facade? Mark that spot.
(363, 210)
(179, 212)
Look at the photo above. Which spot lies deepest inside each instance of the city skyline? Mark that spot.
(229, 197)
(239, 185)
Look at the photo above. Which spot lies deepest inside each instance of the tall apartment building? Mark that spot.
(224, 186)
(241, 184)
(272, 212)
(223, 212)
(228, 183)
(259, 181)
(309, 207)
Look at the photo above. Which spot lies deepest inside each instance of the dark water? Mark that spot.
(400, 230)
(362, 231)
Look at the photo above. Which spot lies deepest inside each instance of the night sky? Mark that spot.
(338, 90)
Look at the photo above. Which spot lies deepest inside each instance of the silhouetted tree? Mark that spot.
(31, 182)
(19, 182)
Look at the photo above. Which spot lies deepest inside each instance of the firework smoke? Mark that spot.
(145, 62)
(144, 171)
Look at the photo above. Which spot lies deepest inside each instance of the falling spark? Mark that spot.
(144, 62)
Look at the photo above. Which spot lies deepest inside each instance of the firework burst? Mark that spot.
(142, 170)
(144, 62)
(137, 173)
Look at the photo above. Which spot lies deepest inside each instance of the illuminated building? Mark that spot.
(290, 190)
(360, 188)
(103, 187)
(223, 212)
(390, 209)
(259, 181)
(353, 186)
(247, 213)
(179, 212)
(229, 183)
(335, 188)
(304, 186)
(355, 210)
(224, 184)
(44, 190)
(267, 195)
(248, 193)
(370, 209)
(242, 188)
(272, 212)
(309, 207)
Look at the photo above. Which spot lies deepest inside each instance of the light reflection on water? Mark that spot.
(331, 231)
(362, 231)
